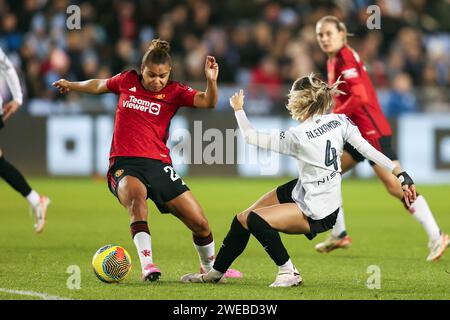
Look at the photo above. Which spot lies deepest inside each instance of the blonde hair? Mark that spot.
(310, 96)
(157, 53)
(338, 23)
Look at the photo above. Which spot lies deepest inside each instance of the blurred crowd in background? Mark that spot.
(262, 46)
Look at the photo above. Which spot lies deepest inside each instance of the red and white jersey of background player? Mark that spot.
(141, 127)
(368, 116)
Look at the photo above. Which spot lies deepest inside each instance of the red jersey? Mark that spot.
(141, 127)
(360, 103)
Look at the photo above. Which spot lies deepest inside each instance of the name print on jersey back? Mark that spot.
(323, 129)
(142, 105)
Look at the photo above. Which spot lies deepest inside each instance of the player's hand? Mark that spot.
(211, 68)
(409, 194)
(409, 189)
(237, 100)
(62, 85)
(9, 109)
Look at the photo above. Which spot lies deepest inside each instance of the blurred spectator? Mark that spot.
(226, 56)
(432, 97)
(257, 43)
(401, 99)
(127, 21)
(13, 38)
(265, 79)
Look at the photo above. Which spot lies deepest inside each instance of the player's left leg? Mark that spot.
(18, 182)
(438, 242)
(265, 224)
(186, 208)
(132, 194)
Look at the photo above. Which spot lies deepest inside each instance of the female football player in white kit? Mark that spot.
(12, 175)
(311, 205)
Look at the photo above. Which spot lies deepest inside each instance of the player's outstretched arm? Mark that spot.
(368, 151)
(208, 99)
(92, 86)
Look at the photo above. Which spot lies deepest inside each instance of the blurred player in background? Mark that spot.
(8, 172)
(140, 164)
(359, 102)
(310, 204)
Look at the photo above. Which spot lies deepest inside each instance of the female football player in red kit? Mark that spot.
(140, 164)
(361, 105)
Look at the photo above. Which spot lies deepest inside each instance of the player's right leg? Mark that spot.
(132, 194)
(17, 181)
(339, 239)
(438, 241)
(186, 208)
(265, 224)
(235, 241)
(238, 236)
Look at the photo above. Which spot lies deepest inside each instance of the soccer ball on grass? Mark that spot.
(111, 263)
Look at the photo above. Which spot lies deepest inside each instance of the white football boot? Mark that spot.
(210, 277)
(331, 243)
(40, 213)
(287, 279)
(437, 247)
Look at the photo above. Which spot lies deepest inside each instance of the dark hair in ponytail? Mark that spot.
(157, 53)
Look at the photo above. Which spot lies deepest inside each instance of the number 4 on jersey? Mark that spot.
(331, 156)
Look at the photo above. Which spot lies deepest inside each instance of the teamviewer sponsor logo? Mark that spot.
(155, 108)
(142, 105)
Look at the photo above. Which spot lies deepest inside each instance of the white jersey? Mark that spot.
(317, 144)
(9, 73)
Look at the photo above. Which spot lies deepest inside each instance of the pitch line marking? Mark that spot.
(43, 296)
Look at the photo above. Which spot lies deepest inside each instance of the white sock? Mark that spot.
(420, 210)
(143, 243)
(33, 198)
(287, 267)
(339, 227)
(206, 255)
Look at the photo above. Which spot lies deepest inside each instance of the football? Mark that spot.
(111, 263)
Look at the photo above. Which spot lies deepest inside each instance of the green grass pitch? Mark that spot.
(84, 216)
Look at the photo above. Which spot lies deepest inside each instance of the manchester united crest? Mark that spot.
(118, 173)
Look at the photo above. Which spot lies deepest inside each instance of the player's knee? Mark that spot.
(200, 227)
(135, 202)
(203, 226)
(138, 210)
(128, 197)
(242, 218)
(138, 202)
(130, 193)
